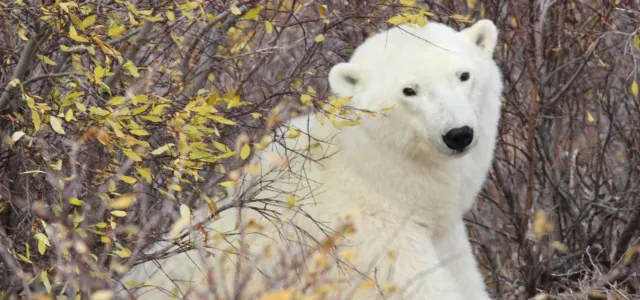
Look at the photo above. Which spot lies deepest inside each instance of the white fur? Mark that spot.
(409, 188)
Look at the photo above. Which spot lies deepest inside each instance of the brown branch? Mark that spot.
(132, 52)
(26, 58)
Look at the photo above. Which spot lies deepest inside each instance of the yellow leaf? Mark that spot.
(235, 10)
(75, 201)
(177, 227)
(392, 107)
(222, 120)
(513, 21)
(590, 118)
(35, 118)
(131, 67)
(130, 154)
(185, 212)
(73, 34)
(145, 173)
(151, 118)
(139, 132)
(17, 135)
(133, 20)
(47, 60)
(42, 248)
(408, 2)
(540, 224)
(128, 179)
(245, 151)
(319, 38)
(268, 27)
(116, 100)
(133, 283)
(43, 238)
(559, 246)
(123, 201)
(293, 133)
(291, 201)
(98, 73)
(228, 183)
(24, 258)
(252, 14)
(102, 295)
(116, 30)
(322, 10)
(56, 125)
(161, 149)
(397, 20)
(76, 21)
(88, 21)
(280, 295)
(119, 213)
(69, 115)
(634, 89)
(348, 255)
(123, 253)
(629, 254)
(170, 16)
(45, 281)
(22, 35)
(158, 110)
(338, 103)
(57, 166)
(305, 98)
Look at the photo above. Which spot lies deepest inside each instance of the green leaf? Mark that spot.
(252, 14)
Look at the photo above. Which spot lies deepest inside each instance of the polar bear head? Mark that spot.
(443, 85)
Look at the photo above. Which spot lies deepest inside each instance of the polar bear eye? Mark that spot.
(464, 76)
(408, 92)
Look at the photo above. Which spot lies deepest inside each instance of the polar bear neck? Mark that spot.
(386, 170)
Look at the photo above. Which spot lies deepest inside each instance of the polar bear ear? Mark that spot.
(343, 79)
(484, 34)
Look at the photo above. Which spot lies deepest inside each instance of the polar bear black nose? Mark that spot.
(458, 138)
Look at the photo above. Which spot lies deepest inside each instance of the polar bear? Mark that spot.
(400, 180)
